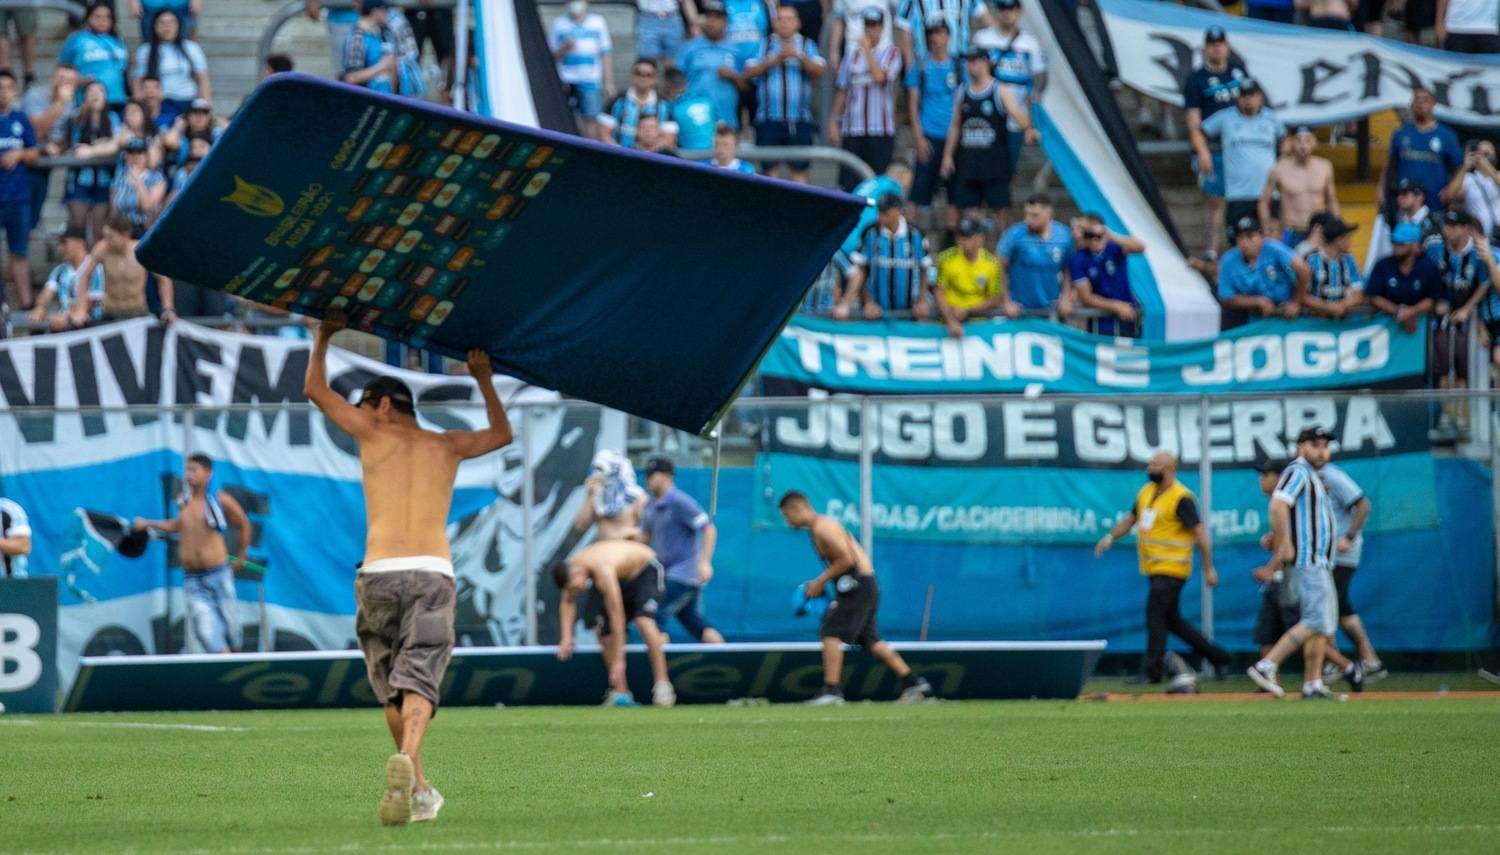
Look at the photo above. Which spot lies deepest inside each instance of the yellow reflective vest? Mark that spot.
(1164, 543)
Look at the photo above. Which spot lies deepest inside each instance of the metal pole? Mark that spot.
(1479, 378)
(528, 538)
(713, 484)
(1495, 508)
(1206, 505)
(189, 418)
(866, 476)
(926, 615)
(460, 54)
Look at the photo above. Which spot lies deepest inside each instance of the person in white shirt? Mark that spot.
(1469, 26)
(15, 539)
(848, 27)
(582, 47)
(1476, 186)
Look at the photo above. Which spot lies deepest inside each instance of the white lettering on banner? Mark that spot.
(954, 430)
(1311, 354)
(1298, 355)
(1377, 344)
(1010, 520)
(1000, 356)
(19, 635)
(1122, 365)
(1029, 431)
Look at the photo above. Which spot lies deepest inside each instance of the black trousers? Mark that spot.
(875, 151)
(1163, 615)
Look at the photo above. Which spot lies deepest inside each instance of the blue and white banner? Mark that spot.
(1311, 76)
(895, 357)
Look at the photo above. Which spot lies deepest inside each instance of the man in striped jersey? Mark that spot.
(913, 17)
(620, 121)
(783, 73)
(1335, 286)
(1303, 533)
(862, 119)
(892, 270)
(15, 539)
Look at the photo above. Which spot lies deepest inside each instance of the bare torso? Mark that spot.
(626, 524)
(1303, 188)
(124, 281)
(1328, 9)
(828, 537)
(408, 480)
(199, 547)
(625, 559)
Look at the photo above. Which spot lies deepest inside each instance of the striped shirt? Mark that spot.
(896, 265)
(625, 114)
(785, 92)
(584, 61)
(13, 523)
(914, 16)
(1333, 278)
(1313, 531)
(362, 50)
(868, 106)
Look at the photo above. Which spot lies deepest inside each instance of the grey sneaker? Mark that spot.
(425, 805)
(395, 802)
(827, 699)
(1266, 680)
(1322, 693)
(917, 692)
(1374, 671)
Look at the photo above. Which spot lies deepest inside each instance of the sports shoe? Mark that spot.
(619, 699)
(1374, 671)
(425, 805)
(917, 692)
(1322, 693)
(1331, 671)
(663, 695)
(827, 699)
(1356, 677)
(1265, 680)
(395, 802)
(1487, 675)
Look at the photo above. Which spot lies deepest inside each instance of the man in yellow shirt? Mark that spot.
(969, 282)
(1165, 516)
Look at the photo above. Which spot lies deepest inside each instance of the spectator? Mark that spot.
(17, 151)
(1468, 26)
(1035, 253)
(913, 16)
(710, 66)
(684, 538)
(892, 271)
(99, 55)
(154, 102)
(1476, 186)
(23, 21)
(134, 125)
(402, 40)
(727, 150)
(1411, 207)
(193, 134)
(1208, 90)
(694, 115)
(1334, 285)
(582, 47)
(88, 135)
(659, 28)
(1422, 150)
(1465, 276)
(848, 28)
(138, 189)
(810, 13)
(47, 106)
(862, 119)
(783, 73)
(367, 60)
(897, 180)
(1329, 14)
(1250, 135)
(618, 123)
(1406, 284)
(187, 12)
(976, 154)
(15, 539)
(1280, 11)
(931, 86)
(1019, 64)
(1261, 277)
(341, 23)
(177, 62)
(124, 279)
(435, 26)
(62, 283)
(969, 284)
(649, 136)
(276, 63)
(1100, 278)
(1314, 239)
(1305, 184)
(747, 23)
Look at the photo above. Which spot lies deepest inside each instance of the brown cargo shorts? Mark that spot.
(405, 628)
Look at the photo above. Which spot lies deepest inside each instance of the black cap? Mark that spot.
(1457, 217)
(1265, 463)
(970, 226)
(387, 387)
(659, 464)
(1410, 185)
(977, 53)
(368, 6)
(1246, 224)
(1007, 4)
(1335, 228)
(713, 7)
(872, 15)
(1215, 34)
(1319, 220)
(1313, 434)
(136, 145)
(75, 233)
(1248, 86)
(888, 201)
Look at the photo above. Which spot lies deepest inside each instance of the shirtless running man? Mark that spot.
(850, 618)
(404, 588)
(628, 584)
(1305, 182)
(207, 575)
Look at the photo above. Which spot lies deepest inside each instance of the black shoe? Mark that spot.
(1356, 677)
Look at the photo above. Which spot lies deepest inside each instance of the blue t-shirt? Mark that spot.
(1404, 289)
(674, 521)
(748, 23)
(364, 50)
(100, 56)
(701, 59)
(1271, 275)
(1033, 261)
(936, 82)
(736, 165)
(1212, 91)
(1426, 156)
(696, 118)
(1249, 149)
(15, 133)
(1104, 270)
(872, 189)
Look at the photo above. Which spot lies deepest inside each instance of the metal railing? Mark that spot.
(71, 8)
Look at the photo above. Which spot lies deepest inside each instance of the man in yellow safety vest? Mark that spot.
(1165, 516)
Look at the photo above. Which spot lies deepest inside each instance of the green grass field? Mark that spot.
(1412, 775)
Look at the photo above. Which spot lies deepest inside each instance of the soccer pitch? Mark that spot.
(1040, 776)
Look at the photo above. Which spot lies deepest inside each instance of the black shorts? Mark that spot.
(1342, 574)
(784, 133)
(1275, 617)
(992, 193)
(851, 616)
(642, 595)
(1419, 15)
(435, 26)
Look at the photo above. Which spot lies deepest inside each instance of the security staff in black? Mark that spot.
(977, 152)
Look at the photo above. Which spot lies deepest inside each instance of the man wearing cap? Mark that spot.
(17, 151)
(1168, 526)
(711, 66)
(1305, 184)
(1334, 284)
(138, 190)
(931, 85)
(404, 588)
(62, 282)
(1258, 277)
(1406, 284)
(684, 538)
(1463, 262)
(862, 119)
(891, 270)
(976, 154)
(1100, 278)
(1250, 134)
(1302, 532)
(848, 28)
(1020, 65)
(896, 180)
(1422, 149)
(969, 284)
(367, 60)
(1351, 508)
(1207, 90)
